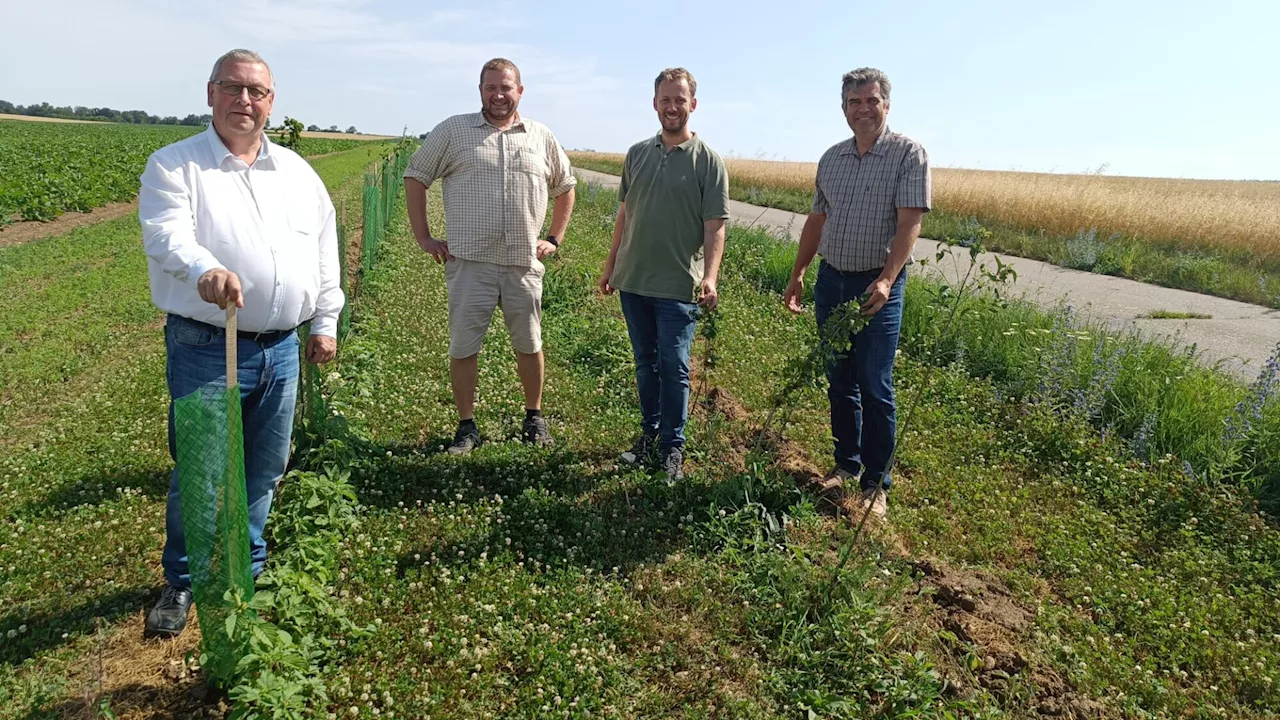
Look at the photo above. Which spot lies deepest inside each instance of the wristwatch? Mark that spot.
(552, 239)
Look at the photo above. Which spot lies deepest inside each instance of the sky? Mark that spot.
(1121, 87)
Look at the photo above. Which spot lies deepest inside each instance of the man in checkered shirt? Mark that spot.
(872, 191)
(498, 169)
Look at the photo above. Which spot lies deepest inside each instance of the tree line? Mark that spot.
(100, 114)
(136, 117)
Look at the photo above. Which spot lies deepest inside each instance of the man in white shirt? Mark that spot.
(228, 217)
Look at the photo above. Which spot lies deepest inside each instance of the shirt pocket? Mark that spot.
(529, 161)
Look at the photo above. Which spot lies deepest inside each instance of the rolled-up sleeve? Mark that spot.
(429, 162)
(169, 225)
(331, 299)
(915, 184)
(560, 178)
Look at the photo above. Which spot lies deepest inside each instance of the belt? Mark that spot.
(267, 337)
(874, 272)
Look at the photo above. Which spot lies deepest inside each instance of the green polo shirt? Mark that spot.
(669, 194)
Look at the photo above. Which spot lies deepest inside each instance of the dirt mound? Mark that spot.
(981, 611)
(722, 402)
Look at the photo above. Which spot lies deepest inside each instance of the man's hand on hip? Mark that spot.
(221, 287)
(437, 249)
(321, 349)
(708, 296)
(544, 249)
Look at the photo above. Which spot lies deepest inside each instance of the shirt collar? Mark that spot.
(877, 148)
(480, 121)
(657, 142)
(221, 153)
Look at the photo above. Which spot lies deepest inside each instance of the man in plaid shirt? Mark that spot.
(498, 169)
(872, 191)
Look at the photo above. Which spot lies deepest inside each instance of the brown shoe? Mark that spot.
(877, 500)
(831, 486)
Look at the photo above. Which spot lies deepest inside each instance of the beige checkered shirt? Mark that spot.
(860, 195)
(496, 184)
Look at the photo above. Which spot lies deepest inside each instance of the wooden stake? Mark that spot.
(232, 337)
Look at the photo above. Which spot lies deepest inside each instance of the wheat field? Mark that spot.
(1235, 216)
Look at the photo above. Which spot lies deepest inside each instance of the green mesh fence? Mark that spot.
(373, 222)
(215, 513)
(344, 319)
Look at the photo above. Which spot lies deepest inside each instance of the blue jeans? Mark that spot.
(268, 377)
(661, 333)
(860, 385)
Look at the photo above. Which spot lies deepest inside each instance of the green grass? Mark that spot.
(1236, 275)
(83, 459)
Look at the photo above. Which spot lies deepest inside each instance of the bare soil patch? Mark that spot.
(28, 230)
(143, 679)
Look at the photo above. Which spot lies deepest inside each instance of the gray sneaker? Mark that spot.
(536, 432)
(641, 452)
(673, 464)
(465, 440)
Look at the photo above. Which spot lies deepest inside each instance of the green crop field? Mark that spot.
(47, 169)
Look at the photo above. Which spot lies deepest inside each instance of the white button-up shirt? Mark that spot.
(271, 223)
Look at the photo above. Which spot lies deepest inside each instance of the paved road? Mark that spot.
(1239, 335)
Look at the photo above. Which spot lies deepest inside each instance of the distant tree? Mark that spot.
(7, 107)
(351, 130)
(313, 128)
(333, 128)
(169, 120)
(423, 136)
(192, 119)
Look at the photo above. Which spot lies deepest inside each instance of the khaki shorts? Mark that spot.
(476, 288)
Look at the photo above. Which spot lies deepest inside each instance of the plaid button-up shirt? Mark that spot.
(496, 184)
(861, 195)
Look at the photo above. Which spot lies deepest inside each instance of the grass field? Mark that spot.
(1048, 553)
(1215, 237)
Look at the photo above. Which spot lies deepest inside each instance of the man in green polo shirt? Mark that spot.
(665, 260)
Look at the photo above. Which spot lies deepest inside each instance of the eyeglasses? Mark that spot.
(257, 92)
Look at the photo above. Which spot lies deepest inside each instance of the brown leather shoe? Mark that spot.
(878, 500)
(832, 486)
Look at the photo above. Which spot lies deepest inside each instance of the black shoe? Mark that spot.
(169, 616)
(536, 432)
(641, 452)
(673, 464)
(465, 440)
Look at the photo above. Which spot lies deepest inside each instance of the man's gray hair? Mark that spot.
(240, 55)
(862, 77)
